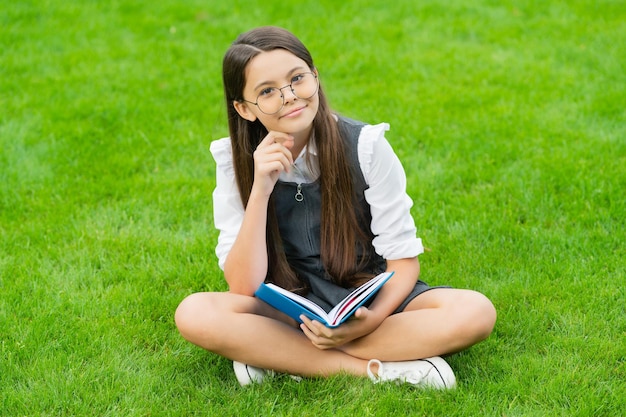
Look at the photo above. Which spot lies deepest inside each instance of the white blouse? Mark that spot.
(392, 224)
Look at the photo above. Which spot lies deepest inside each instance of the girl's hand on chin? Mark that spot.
(271, 157)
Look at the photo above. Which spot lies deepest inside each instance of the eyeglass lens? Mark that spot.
(272, 99)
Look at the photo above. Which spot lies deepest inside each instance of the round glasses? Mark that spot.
(271, 99)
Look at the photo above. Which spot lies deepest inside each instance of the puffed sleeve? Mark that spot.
(392, 223)
(228, 209)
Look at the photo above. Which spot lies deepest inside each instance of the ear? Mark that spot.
(244, 111)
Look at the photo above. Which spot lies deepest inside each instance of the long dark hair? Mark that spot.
(341, 234)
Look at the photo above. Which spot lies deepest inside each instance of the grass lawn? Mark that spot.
(509, 118)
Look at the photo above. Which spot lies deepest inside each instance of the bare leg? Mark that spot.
(247, 330)
(437, 322)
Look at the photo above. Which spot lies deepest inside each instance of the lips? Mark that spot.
(294, 112)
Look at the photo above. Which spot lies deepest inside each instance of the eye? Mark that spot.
(266, 92)
(297, 78)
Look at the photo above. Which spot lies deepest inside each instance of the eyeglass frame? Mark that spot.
(280, 90)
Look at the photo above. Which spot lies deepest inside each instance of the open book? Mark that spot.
(295, 305)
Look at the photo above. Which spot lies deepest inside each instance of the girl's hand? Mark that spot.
(271, 157)
(362, 323)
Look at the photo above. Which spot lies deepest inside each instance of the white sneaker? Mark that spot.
(248, 374)
(430, 372)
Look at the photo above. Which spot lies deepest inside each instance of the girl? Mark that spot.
(316, 203)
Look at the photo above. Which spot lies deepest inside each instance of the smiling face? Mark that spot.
(278, 68)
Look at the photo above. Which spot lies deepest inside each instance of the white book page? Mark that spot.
(356, 296)
(301, 300)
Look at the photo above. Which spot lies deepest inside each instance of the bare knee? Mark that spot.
(480, 316)
(194, 316)
(472, 317)
(211, 319)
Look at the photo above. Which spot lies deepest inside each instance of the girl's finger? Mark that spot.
(277, 137)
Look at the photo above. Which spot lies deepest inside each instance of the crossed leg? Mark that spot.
(245, 329)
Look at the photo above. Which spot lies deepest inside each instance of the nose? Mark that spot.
(288, 96)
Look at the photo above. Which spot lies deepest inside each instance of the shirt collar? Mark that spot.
(310, 147)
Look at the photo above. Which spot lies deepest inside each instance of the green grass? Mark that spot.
(509, 118)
